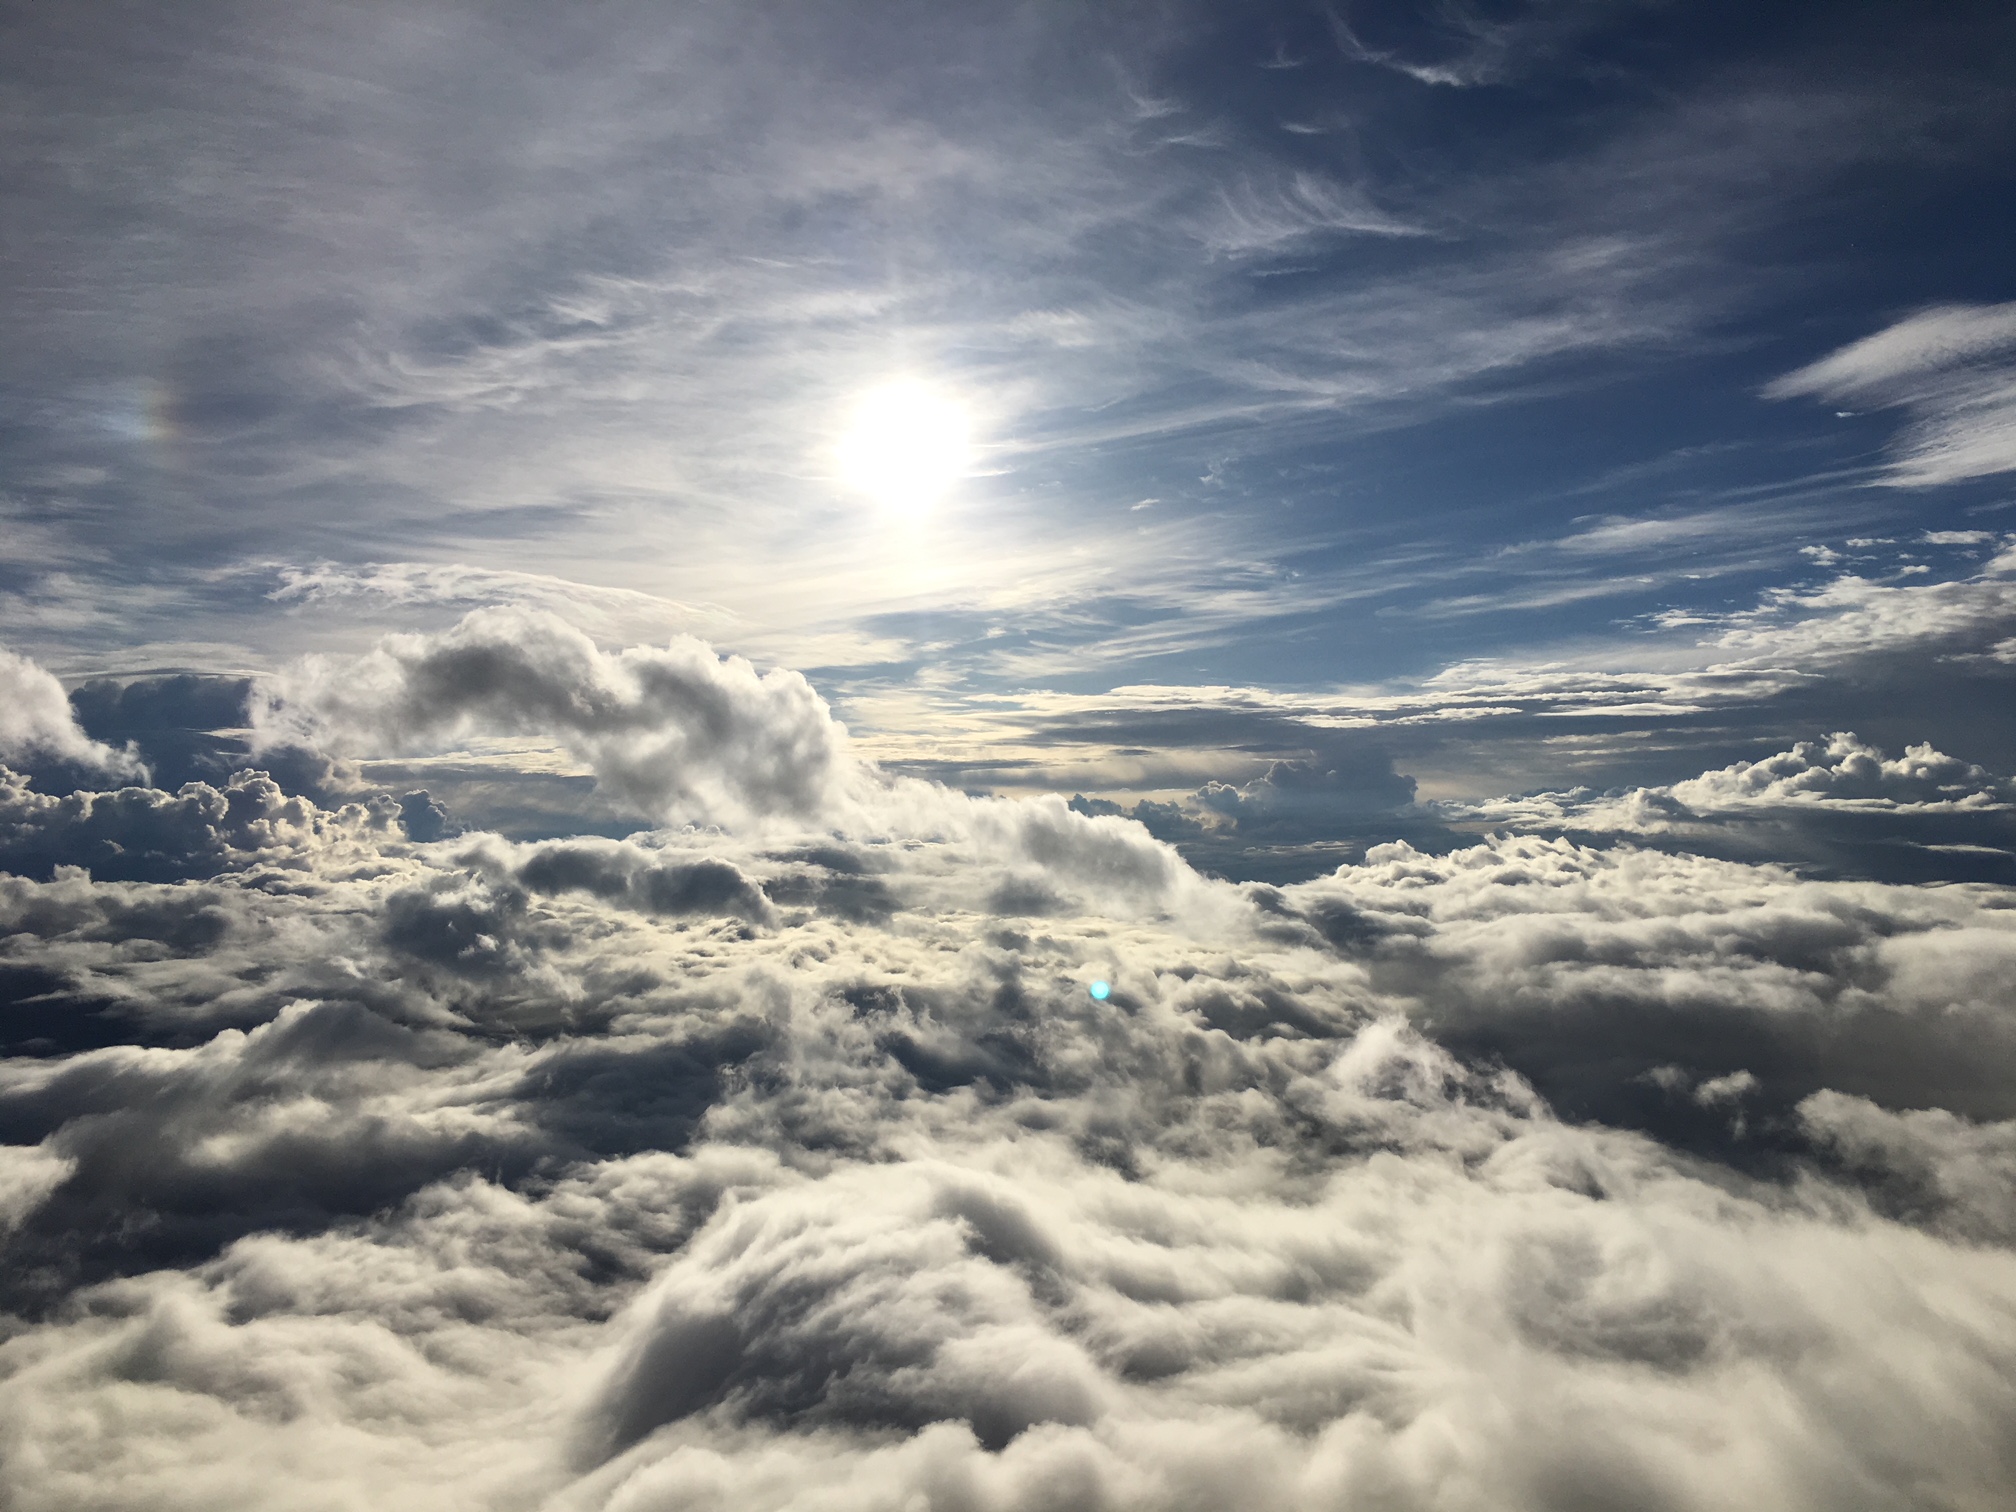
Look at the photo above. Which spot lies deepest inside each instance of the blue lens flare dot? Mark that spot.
(1102, 990)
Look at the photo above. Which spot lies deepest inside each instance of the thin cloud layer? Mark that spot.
(1953, 368)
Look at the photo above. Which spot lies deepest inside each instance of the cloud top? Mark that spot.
(677, 731)
(38, 724)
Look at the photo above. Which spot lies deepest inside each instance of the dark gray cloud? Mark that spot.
(625, 874)
(1297, 800)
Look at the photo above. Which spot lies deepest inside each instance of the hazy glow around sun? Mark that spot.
(906, 445)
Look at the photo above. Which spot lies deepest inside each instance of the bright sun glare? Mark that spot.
(906, 445)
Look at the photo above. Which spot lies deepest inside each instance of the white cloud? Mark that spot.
(1955, 1174)
(675, 730)
(1953, 367)
(1844, 773)
(28, 1174)
(1888, 366)
(406, 586)
(36, 722)
(507, 1181)
(1261, 217)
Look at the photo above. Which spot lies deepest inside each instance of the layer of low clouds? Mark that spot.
(790, 1157)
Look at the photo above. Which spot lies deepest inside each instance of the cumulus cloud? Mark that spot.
(676, 730)
(145, 834)
(939, 1224)
(1844, 772)
(37, 723)
(1952, 367)
(1840, 802)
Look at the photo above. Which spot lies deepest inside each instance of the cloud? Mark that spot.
(1902, 659)
(1926, 1165)
(459, 586)
(1951, 366)
(146, 835)
(1844, 773)
(678, 733)
(674, 730)
(464, 378)
(1263, 219)
(1617, 979)
(1483, 49)
(37, 723)
(657, 1172)
(1299, 800)
(1839, 806)
(28, 1174)
(1888, 366)
(1845, 770)
(641, 880)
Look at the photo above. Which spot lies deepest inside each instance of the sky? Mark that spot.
(1008, 755)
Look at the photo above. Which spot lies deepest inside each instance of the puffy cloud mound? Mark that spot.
(1844, 769)
(675, 730)
(640, 880)
(1622, 982)
(772, 1167)
(142, 834)
(38, 725)
(1841, 803)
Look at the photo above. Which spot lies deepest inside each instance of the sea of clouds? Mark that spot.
(779, 1155)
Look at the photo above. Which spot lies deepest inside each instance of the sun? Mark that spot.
(906, 445)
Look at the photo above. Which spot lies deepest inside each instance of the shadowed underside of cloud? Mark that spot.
(758, 1166)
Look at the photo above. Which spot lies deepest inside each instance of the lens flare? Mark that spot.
(905, 447)
(1102, 990)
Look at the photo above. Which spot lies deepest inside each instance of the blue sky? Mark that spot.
(1307, 349)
